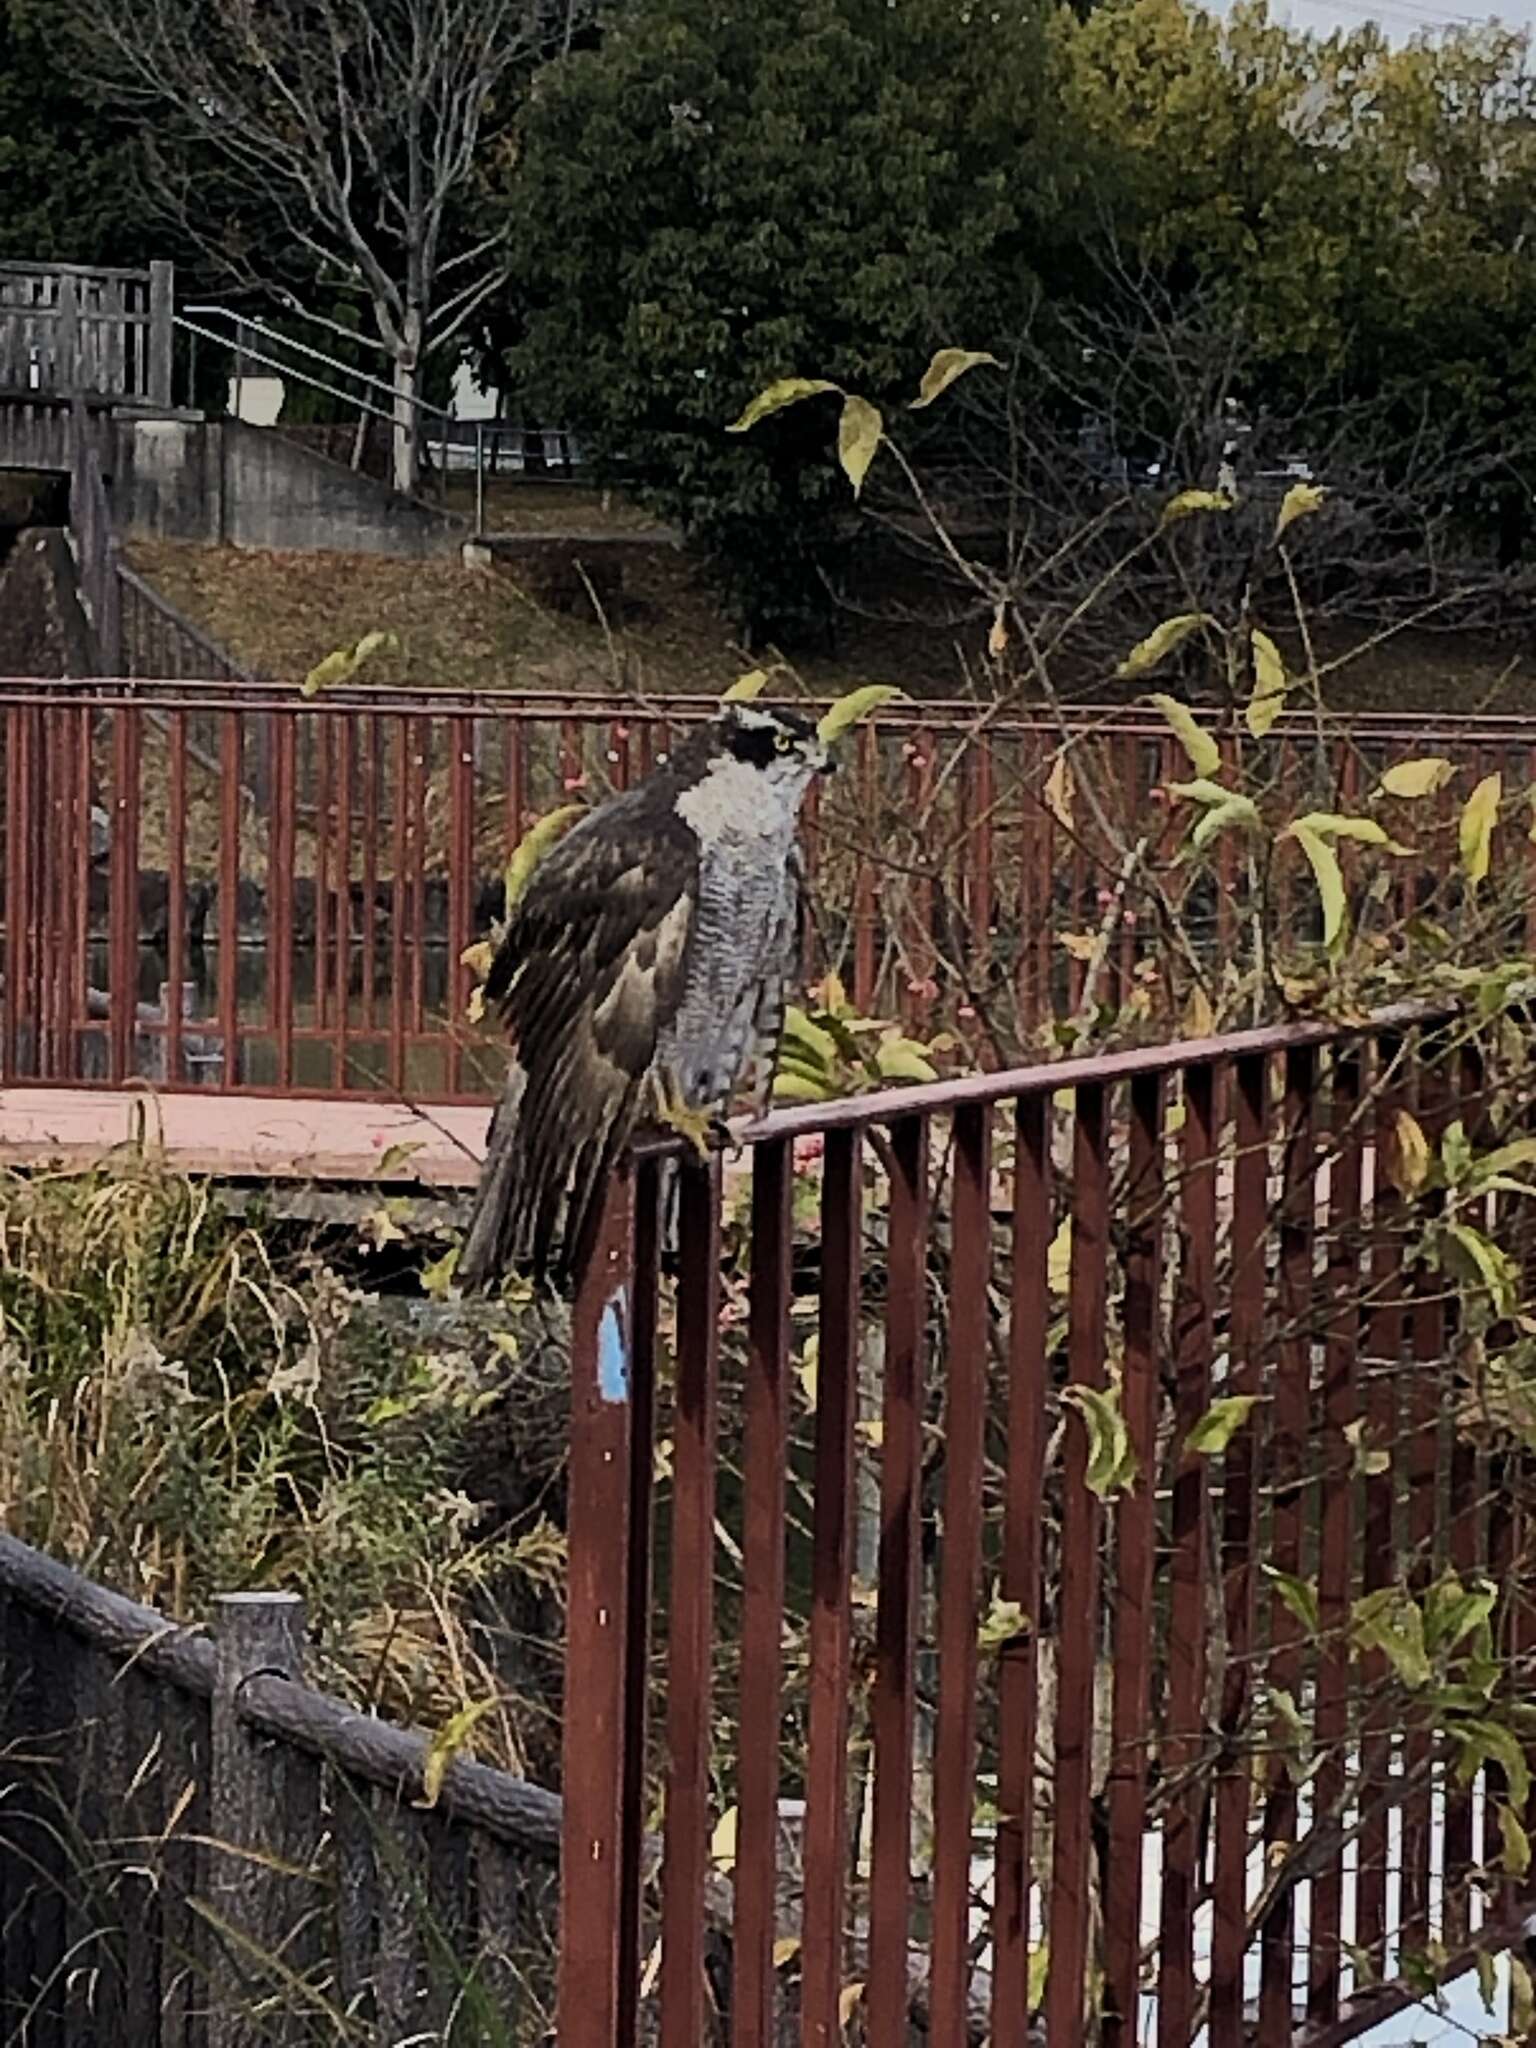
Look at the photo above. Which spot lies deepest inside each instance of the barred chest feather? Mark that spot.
(745, 822)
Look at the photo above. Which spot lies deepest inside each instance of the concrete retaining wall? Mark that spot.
(188, 478)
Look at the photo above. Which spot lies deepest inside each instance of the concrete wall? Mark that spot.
(221, 480)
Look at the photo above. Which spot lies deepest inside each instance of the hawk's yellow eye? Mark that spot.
(783, 742)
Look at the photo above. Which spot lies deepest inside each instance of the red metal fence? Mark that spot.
(982, 1722)
(306, 873)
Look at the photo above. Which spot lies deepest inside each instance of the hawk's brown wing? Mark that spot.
(588, 974)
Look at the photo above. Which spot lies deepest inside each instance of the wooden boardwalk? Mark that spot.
(331, 1139)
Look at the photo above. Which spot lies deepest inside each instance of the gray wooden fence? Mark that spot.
(199, 1851)
(66, 330)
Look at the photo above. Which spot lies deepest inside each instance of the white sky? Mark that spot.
(1401, 18)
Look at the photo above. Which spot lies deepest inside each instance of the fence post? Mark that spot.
(162, 307)
(66, 338)
(249, 1893)
(595, 2008)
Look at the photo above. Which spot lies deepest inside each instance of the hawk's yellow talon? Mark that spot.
(698, 1126)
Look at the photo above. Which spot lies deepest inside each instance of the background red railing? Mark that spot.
(305, 873)
(832, 1456)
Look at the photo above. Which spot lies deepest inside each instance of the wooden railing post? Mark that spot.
(251, 1898)
(162, 307)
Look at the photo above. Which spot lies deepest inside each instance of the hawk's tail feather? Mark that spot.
(490, 1241)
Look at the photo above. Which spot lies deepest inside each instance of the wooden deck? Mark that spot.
(243, 1137)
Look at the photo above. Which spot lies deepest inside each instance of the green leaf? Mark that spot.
(1478, 817)
(1516, 1856)
(1161, 642)
(1333, 825)
(1299, 501)
(946, 366)
(1481, 1262)
(1270, 684)
(1004, 1622)
(1485, 1742)
(447, 1743)
(746, 687)
(786, 391)
(1421, 777)
(1487, 1980)
(1189, 502)
(899, 1060)
(531, 849)
(1202, 791)
(1111, 1460)
(1452, 1611)
(849, 710)
(1330, 881)
(1297, 1743)
(1392, 1623)
(1220, 1423)
(858, 437)
(801, 1034)
(394, 1156)
(791, 1087)
(1204, 754)
(1237, 810)
(1299, 1595)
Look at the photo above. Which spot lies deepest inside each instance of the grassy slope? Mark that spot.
(281, 612)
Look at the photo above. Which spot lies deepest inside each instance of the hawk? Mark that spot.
(641, 974)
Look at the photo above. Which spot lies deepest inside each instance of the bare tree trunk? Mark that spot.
(406, 466)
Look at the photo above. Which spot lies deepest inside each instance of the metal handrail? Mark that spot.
(260, 327)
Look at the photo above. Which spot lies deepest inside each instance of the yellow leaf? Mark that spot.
(858, 436)
(997, 639)
(746, 687)
(1161, 642)
(786, 391)
(437, 1279)
(1329, 878)
(1204, 754)
(1188, 502)
(1409, 1161)
(475, 1008)
(1421, 777)
(1060, 788)
(722, 1843)
(1333, 825)
(1478, 817)
(1039, 1970)
(805, 1371)
(1004, 1622)
(947, 365)
(334, 669)
(850, 710)
(479, 957)
(1058, 1260)
(785, 1949)
(531, 849)
(1081, 945)
(1199, 1015)
(792, 1087)
(447, 1743)
(1298, 502)
(1269, 685)
(848, 2001)
(1220, 1423)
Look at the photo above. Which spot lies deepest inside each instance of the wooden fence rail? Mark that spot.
(197, 1849)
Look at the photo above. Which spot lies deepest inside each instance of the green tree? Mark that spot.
(718, 197)
(65, 164)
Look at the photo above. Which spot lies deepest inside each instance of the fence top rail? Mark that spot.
(1018, 1084)
(947, 714)
(520, 1813)
(74, 270)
